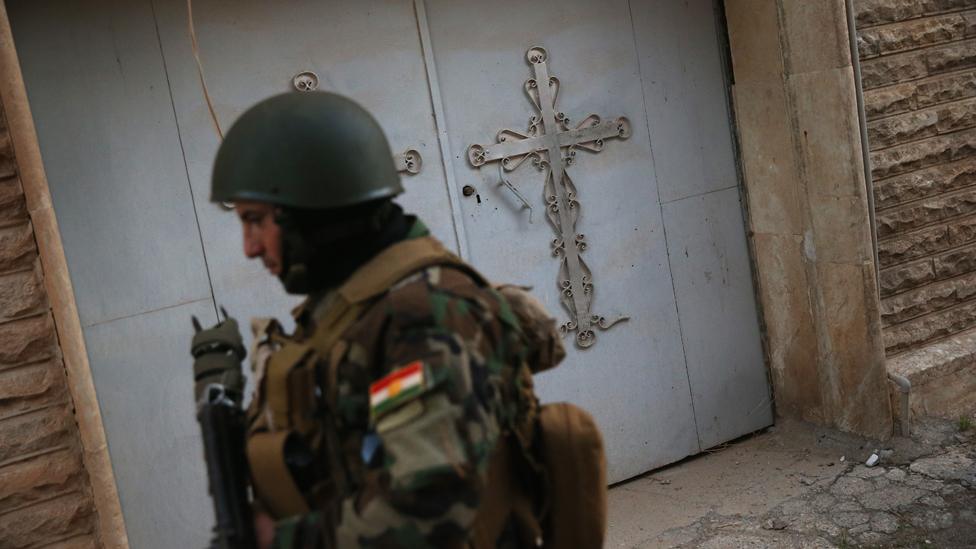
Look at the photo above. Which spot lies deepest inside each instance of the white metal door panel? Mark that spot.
(684, 92)
(634, 378)
(251, 50)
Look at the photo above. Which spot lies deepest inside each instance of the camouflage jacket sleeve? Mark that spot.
(421, 380)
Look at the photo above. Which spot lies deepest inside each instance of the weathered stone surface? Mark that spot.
(923, 329)
(962, 231)
(13, 208)
(906, 276)
(867, 45)
(32, 480)
(17, 248)
(912, 245)
(891, 498)
(21, 294)
(952, 466)
(926, 212)
(927, 299)
(8, 164)
(32, 386)
(55, 519)
(885, 70)
(890, 100)
(876, 12)
(913, 156)
(34, 431)
(946, 88)
(902, 128)
(961, 55)
(86, 541)
(918, 125)
(956, 262)
(848, 486)
(924, 183)
(917, 33)
(27, 340)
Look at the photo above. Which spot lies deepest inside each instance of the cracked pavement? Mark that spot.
(789, 487)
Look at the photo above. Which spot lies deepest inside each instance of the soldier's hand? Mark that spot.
(217, 352)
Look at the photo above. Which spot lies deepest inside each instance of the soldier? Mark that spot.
(401, 412)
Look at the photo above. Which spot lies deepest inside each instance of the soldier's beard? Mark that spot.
(322, 248)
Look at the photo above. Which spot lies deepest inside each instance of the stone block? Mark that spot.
(913, 245)
(783, 288)
(913, 156)
(17, 248)
(926, 212)
(889, 100)
(765, 139)
(31, 387)
(920, 33)
(891, 69)
(960, 55)
(919, 331)
(82, 542)
(867, 45)
(8, 164)
(897, 129)
(946, 88)
(902, 277)
(37, 525)
(943, 384)
(927, 299)
(936, 6)
(825, 114)
(26, 340)
(962, 231)
(21, 293)
(878, 12)
(956, 262)
(754, 36)
(925, 183)
(13, 207)
(854, 353)
(38, 430)
(840, 228)
(32, 480)
(957, 116)
(823, 23)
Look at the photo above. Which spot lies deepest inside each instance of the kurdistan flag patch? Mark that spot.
(400, 386)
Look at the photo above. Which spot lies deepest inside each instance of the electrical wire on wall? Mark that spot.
(203, 80)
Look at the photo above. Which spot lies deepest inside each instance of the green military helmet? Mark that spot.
(314, 150)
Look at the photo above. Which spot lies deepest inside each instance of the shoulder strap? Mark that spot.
(373, 279)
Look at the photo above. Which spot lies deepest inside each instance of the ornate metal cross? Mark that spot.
(551, 145)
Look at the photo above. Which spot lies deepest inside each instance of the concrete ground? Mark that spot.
(795, 485)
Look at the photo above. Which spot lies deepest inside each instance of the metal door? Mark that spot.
(128, 144)
(659, 212)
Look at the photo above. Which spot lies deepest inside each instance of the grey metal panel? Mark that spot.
(251, 50)
(634, 379)
(685, 93)
(719, 321)
(99, 96)
(142, 371)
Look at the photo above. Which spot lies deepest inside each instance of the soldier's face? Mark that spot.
(262, 235)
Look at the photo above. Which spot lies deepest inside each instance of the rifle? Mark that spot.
(219, 388)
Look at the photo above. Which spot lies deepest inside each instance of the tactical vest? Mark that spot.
(558, 446)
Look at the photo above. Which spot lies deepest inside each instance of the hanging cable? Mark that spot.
(203, 81)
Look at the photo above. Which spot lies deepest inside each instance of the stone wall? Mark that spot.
(45, 496)
(918, 64)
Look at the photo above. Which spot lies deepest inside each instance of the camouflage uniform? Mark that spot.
(412, 475)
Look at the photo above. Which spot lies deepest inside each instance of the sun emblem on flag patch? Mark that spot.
(401, 385)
